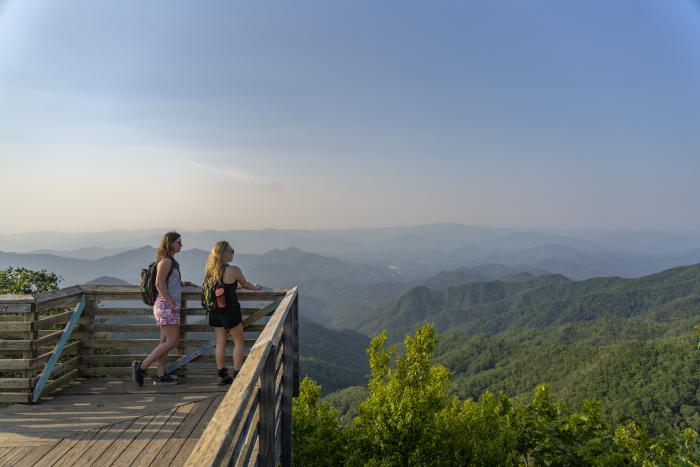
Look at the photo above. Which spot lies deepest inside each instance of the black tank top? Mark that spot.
(230, 295)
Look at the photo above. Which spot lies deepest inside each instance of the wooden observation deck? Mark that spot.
(68, 399)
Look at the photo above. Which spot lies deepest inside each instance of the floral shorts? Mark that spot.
(164, 314)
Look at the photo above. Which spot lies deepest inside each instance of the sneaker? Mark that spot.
(165, 379)
(137, 374)
(224, 377)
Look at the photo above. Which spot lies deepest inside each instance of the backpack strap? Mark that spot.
(173, 265)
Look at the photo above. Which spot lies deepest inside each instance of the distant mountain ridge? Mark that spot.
(496, 306)
(418, 251)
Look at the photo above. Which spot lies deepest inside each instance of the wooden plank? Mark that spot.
(48, 299)
(36, 454)
(266, 427)
(16, 363)
(55, 319)
(135, 343)
(124, 371)
(69, 302)
(126, 359)
(130, 455)
(119, 312)
(270, 294)
(273, 329)
(61, 449)
(8, 453)
(183, 433)
(48, 339)
(15, 397)
(196, 386)
(15, 345)
(251, 409)
(109, 435)
(150, 452)
(11, 317)
(262, 312)
(65, 335)
(221, 431)
(295, 347)
(254, 455)
(205, 349)
(279, 357)
(16, 298)
(143, 328)
(67, 350)
(75, 454)
(116, 449)
(5, 451)
(111, 311)
(186, 449)
(16, 326)
(16, 303)
(65, 367)
(248, 442)
(288, 337)
(16, 383)
(63, 380)
(16, 457)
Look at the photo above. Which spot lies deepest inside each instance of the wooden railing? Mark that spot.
(253, 422)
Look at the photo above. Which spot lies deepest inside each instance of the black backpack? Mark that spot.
(149, 293)
(209, 295)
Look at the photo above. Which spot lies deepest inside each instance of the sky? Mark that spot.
(327, 114)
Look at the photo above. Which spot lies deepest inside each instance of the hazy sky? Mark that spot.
(313, 114)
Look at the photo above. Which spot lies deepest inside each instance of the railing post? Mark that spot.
(87, 318)
(295, 345)
(32, 336)
(266, 425)
(288, 368)
(182, 348)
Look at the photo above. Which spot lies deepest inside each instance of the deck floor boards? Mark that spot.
(109, 422)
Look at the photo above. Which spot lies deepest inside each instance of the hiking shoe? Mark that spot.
(165, 379)
(137, 374)
(224, 377)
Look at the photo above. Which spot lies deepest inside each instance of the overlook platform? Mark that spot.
(89, 412)
(109, 422)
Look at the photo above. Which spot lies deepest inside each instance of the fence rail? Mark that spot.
(253, 423)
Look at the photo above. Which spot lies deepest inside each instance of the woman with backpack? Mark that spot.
(166, 310)
(225, 316)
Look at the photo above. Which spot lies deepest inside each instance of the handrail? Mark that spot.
(221, 440)
(48, 369)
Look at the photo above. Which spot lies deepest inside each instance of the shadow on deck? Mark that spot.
(110, 422)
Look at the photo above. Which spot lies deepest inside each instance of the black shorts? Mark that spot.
(228, 318)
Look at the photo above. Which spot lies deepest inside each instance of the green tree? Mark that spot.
(407, 418)
(27, 281)
(396, 421)
(318, 437)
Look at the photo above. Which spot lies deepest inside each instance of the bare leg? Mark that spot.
(161, 360)
(238, 342)
(172, 337)
(220, 350)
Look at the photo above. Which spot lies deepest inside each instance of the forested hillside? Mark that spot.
(630, 343)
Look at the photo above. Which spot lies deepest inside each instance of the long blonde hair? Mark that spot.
(216, 264)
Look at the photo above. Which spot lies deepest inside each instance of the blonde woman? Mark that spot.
(166, 310)
(226, 320)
